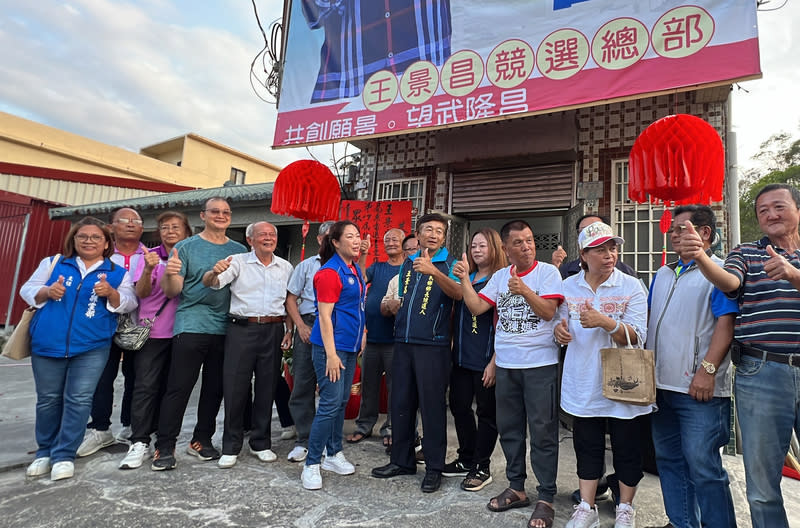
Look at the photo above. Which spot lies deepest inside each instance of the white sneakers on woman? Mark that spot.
(62, 470)
(39, 467)
(584, 516)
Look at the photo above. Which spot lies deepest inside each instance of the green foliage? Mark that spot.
(780, 159)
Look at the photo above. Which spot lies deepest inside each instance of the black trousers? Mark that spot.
(475, 441)
(251, 349)
(589, 442)
(282, 394)
(420, 374)
(190, 352)
(151, 365)
(103, 401)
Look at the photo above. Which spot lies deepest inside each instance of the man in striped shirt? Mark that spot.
(764, 277)
(364, 36)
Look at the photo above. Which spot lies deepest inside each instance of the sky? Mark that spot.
(132, 74)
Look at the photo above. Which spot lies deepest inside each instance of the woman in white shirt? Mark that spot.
(601, 304)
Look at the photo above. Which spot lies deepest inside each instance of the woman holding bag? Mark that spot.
(71, 335)
(336, 338)
(601, 306)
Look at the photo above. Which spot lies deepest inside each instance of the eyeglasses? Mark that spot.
(93, 238)
(215, 212)
(170, 227)
(125, 221)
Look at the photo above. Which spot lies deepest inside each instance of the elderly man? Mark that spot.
(254, 339)
(126, 226)
(764, 278)
(526, 295)
(377, 357)
(690, 328)
(421, 361)
(301, 309)
(201, 322)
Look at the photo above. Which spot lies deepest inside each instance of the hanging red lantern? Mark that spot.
(308, 190)
(679, 159)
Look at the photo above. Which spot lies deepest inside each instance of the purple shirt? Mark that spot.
(148, 306)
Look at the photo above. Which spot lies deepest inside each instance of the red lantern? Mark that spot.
(308, 190)
(679, 159)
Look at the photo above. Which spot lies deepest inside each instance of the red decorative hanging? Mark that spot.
(308, 190)
(679, 159)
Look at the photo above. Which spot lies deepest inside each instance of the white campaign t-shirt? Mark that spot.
(620, 297)
(522, 338)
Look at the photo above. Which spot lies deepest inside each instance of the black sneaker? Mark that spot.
(456, 468)
(202, 452)
(162, 461)
(476, 480)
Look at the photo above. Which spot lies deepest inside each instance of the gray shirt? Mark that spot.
(302, 284)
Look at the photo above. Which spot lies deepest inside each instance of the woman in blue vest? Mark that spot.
(473, 374)
(336, 339)
(71, 333)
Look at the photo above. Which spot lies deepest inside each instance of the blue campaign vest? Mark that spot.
(348, 311)
(425, 314)
(473, 340)
(79, 321)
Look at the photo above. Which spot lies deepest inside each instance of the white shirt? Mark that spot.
(392, 289)
(522, 338)
(127, 295)
(621, 298)
(256, 289)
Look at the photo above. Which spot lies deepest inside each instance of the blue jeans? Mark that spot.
(767, 404)
(326, 429)
(64, 391)
(688, 435)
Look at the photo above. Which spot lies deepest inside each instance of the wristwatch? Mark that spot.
(709, 367)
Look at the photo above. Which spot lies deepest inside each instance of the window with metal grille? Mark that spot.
(406, 189)
(637, 224)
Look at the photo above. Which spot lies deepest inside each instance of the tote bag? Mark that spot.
(629, 374)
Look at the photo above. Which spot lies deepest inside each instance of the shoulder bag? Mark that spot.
(132, 336)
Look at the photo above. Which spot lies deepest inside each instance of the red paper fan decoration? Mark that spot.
(679, 159)
(308, 190)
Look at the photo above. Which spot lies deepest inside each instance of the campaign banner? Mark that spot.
(375, 219)
(361, 68)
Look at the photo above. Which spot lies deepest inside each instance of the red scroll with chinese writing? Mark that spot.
(374, 219)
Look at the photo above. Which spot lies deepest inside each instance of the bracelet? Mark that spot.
(614, 331)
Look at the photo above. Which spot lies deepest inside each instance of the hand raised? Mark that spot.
(691, 242)
(174, 263)
(591, 318)
(151, 259)
(56, 290)
(515, 284)
(461, 268)
(777, 267)
(366, 243)
(102, 288)
(222, 265)
(558, 256)
(423, 263)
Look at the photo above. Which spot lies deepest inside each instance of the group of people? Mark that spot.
(488, 327)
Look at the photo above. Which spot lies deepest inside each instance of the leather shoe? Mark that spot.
(391, 470)
(431, 482)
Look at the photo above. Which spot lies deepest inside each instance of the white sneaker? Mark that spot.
(288, 433)
(626, 516)
(311, 478)
(94, 441)
(124, 435)
(227, 461)
(338, 464)
(584, 516)
(298, 454)
(267, 455)
(39, 467)
(136, 455)
(62, 470)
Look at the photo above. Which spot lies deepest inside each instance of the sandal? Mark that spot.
(544, 512)
(357, 437)
(507, 500)
(387, 441)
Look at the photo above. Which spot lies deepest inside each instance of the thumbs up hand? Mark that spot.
(366, 243)
(515, 284)
(461, 268)
(222, 265)
(174, 263)
(423, 263)
(690, 241)
(778, 267)
(591, 318)
(151, 260)
(561, 333)
(102, 288)
(56, 290)
(558, 256)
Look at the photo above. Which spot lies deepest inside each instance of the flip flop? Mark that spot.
(507, 500)
(357, 437)
(387, 441)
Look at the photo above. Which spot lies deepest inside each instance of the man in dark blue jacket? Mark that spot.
(421, 362)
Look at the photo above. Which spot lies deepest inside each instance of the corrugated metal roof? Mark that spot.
(235, 193)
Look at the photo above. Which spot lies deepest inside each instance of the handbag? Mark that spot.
(18, 344)
(629, 374)
(132, 336)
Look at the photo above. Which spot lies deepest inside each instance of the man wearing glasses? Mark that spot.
(126, 227)
(421, 361)
(199, 335)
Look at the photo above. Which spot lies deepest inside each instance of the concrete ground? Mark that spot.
(260, 494)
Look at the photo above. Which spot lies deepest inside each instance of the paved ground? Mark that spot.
(270, 495)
